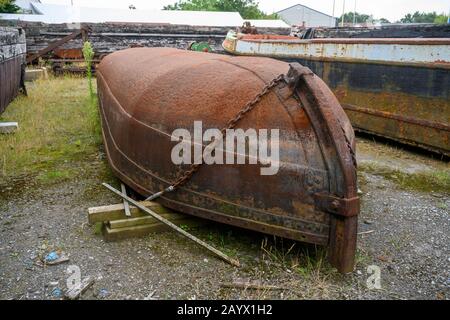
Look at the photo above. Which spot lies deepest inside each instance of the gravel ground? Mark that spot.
(406, 234)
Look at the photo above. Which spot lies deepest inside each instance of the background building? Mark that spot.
(300, 15)
(34, 10)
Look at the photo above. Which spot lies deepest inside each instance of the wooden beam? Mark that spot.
(110, 234)
(117, 212)
(132, 222)
(52, 46)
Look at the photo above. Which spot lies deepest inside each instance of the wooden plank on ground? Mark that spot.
(117, 212)
(143, 230)
(132, 222)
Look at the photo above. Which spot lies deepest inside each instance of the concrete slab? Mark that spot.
(34, 74)
(8, 127)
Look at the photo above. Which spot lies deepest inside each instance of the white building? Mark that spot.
(300, 15)
(34, 10)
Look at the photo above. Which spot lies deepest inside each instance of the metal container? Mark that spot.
(12, 57)
(395, 88)
(147, 93)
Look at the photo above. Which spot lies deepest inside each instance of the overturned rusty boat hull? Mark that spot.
(147, 93)
(395, 88)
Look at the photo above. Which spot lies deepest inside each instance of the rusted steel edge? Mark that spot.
(434, 65)
(405, 41)
(384, 114)
(343, 228)
(436, 150)
(220, 254)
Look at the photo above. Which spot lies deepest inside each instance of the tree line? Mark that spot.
(417, 17)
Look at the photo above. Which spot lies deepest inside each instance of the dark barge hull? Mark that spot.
(12, 57)
(395, 88)
(146, 93)
(409, 104)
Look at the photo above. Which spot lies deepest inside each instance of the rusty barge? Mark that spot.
(147, 93)
(395, 88)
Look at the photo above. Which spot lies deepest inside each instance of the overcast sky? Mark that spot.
(390, 9)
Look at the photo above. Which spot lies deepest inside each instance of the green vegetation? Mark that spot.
(426, 181)
(307, 261)
(425, 17)
(88, 54)
(59, 132)
(349, 17)
(249, 9)
(8, 6)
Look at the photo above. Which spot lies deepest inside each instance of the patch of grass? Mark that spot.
(426, 181)
(442, 206)
(48, 177)
(307, 261)
(59, 131)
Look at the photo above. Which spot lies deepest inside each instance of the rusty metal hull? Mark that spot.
(12, 56)
(405, 97)
(145, 94)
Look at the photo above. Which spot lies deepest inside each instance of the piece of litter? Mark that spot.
(365, 232)
(52, 256)
(103, 293)
(57, 293)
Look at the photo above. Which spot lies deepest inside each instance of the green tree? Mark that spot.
(360, 17)
(8, 6)
(384, 20)
(441, 19)
(249, 9)
(424, 17)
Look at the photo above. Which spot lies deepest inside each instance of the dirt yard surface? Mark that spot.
(50, 179)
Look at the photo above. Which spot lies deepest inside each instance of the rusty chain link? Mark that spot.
(249, 106)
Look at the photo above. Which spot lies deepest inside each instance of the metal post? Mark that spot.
(354, 15)
(332, 16)
(343, 14)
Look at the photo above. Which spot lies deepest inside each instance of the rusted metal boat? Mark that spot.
(12, 58)
(396, 88)
(147, 93)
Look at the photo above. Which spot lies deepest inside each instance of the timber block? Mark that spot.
(117, 212)
(117, 226)
(115, 234)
